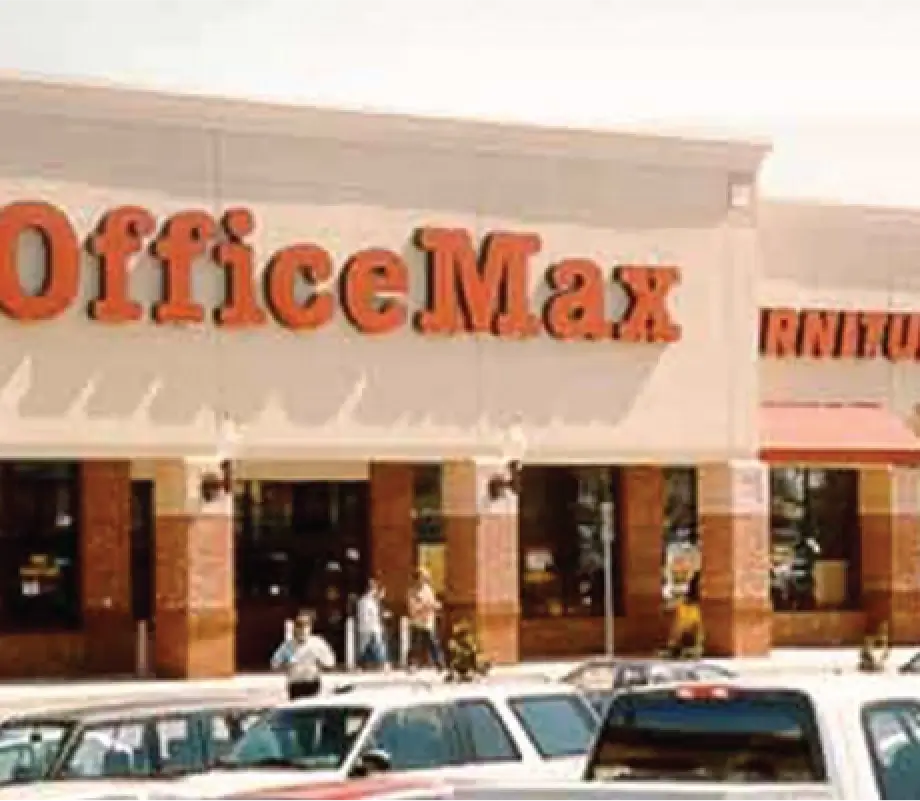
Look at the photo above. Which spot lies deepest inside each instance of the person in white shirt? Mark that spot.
(303, 658)
(372, 650)
(423, 621)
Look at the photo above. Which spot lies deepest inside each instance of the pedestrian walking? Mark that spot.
(303, 657)
(372, 647)
(423, 621)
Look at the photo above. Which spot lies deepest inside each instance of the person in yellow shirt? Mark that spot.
(686, 639)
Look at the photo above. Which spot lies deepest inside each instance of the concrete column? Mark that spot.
(734, 504)
(392, 540)
(105, 566)
(195, 615)
(889, 501)
(482, 557)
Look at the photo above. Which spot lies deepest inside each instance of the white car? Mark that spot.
(817, 737)
(509, 729)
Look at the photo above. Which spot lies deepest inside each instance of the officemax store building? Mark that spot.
(251, 356)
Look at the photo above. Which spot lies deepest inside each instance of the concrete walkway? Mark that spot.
(31, 694)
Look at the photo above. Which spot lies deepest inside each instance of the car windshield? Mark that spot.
(707, 735)
(558, 725)
(28, 750)
(309, 738)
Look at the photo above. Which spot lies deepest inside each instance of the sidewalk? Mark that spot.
(23, 694)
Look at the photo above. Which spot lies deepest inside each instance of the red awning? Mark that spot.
(835, 432)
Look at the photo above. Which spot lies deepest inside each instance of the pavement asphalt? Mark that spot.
(38, 693)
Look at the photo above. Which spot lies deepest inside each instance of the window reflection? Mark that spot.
(302, 544)
(681, 553)
(39, 545)
(428, 522)
(564, 515)
(814, 526)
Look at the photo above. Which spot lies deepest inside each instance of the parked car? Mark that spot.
(599, 679)
(816, 737)
(488, 729)
(137, 738)
(911, 666)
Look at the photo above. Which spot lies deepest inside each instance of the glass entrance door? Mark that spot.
(299, 545)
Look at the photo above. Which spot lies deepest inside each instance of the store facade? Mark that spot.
(258, 354)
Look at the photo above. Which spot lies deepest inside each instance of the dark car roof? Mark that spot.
(127, 709)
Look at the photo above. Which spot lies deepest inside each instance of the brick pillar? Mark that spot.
(735, 538)
(482, 558)
(392, 545)
(889, 501)
(645, 627)
(105, 567)
(194, 615)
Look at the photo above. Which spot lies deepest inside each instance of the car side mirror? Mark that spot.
(370, 762)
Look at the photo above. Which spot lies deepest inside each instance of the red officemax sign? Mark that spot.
(470, 289)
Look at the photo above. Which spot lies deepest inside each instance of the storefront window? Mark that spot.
(428, 522)
(302, 542)
(39, 545)
(564, 516)
(680, 550)
(815, 543)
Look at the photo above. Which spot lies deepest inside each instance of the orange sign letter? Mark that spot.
(121, 234)
(577, 310)
(235, 256)
(780, 333)
(647, 319)
(286, 266)
(183, 239)
(62, 261)
(366, 275)
(488, 295)
(818, 339)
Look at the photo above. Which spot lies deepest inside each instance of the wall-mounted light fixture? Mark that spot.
(216, 483)
(515, 447)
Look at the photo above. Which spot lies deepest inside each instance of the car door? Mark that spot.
(489, 748)
(892, 732)
(418, 739)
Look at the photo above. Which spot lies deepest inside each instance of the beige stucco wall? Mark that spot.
(848, 258)
(75, 387)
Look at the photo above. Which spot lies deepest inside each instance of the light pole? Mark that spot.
(608, 533)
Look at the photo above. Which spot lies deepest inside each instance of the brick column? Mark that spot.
(195, 615)
(105, 567)
(392, 541)
(734, 516)
(889, 501)
(645, 627)
(482, 558)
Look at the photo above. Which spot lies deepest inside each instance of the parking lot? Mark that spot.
(38, 694)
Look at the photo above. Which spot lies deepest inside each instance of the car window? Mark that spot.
(221, 728)
(28, 750)
(710, 673)
(416, 738)
(179, 749)
(311, 738)
(109, 751)
(487, 733)
(631, 676)
(891, 733)
(558, 725)
(698, 733)
(593, 677)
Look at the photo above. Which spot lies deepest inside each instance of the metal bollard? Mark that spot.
(142, 657)
(350, 644)
(404, 642)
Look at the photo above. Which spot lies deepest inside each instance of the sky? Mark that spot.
(834, 86)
